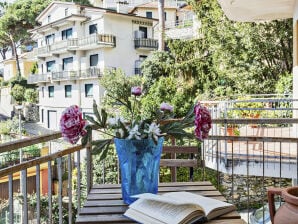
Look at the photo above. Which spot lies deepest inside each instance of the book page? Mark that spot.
(211, 207)
(165, 212)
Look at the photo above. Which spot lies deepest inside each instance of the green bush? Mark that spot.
(31, 95)
(17, 92)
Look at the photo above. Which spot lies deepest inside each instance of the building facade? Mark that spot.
(76, 44)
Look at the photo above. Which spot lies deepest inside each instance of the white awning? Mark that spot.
(257, 10)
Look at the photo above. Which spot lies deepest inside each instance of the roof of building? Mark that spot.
(152, 5)
(257, 10)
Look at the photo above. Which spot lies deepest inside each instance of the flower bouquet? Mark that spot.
(138, 139)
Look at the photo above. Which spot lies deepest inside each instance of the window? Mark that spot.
(66, 12)
(49, 18)
(67, 64)
(67, 89)
(50, 39)
(88, 90)
(66, 34)
(50, 66)
(93, 60)
(93, 28)
(51, 91)
(42, 92)
(149, 15)
(144, 30)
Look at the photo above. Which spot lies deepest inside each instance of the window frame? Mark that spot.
(51, 90)
(149, 14)
(92, 29)
(90, 64)
(68, 91)
(51, 63)
(88, 86)
(65, 34)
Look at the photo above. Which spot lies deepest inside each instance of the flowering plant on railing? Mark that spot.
(133, 125)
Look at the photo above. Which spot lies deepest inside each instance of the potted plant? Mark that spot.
(248, 108)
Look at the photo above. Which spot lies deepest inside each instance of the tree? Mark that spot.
(161, 25)
(244, 58)
(17, 92)
(19, 17)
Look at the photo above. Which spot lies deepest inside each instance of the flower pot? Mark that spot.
(288, 212)
(139, 166)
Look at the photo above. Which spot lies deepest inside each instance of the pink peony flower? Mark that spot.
(202, 121)
(72, 124)
(166, 107)
(136, 90)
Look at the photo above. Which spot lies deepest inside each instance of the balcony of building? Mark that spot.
(72, 44)
(261, 154)
(92, 72)
(145, 44)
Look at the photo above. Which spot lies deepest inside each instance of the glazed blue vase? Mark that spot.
(139, 166)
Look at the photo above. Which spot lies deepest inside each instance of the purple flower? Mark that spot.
(166, 107)
(136, 90)
(202, 121)
(72, 124)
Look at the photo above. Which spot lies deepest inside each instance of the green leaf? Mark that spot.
(87, 137)
(94, 122)
(95, 111)
(101, 147)
(104, 117)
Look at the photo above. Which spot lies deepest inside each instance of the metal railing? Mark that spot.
(92, 72)
(146, 43)
(260, 153)
(73, 157)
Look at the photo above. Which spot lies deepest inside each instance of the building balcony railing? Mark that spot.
(262, 154)
(103, 40)
(85, 43)
(146, 43)
(92, 72)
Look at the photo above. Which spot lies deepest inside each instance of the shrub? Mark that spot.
(31, 95)
(17, 92)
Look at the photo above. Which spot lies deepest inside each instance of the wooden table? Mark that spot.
(104, 202)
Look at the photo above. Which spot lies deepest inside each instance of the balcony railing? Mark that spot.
(85, 43)
(99, 39)
(42, 170)
(146, 43)
(263, 154)
(92, 72)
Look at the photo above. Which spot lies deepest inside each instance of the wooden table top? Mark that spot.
(104, 202)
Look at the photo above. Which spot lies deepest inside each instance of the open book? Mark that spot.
(176, 207)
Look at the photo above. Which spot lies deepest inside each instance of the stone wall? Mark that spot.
(30, 112)
(252, 189)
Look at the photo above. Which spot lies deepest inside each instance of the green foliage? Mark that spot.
(31, 95)
(4, 128)
(17, 92)
(118, 86)
(34, 69)
(158, 64)
(285, 84)
(171, 90)
(44, 208)
(240, 58)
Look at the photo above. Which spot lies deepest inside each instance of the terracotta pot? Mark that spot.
(288, 212)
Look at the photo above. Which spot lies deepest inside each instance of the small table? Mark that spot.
(104, 202)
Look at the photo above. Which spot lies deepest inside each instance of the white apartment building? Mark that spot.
(75, 45)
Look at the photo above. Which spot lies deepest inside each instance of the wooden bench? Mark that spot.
(173, 162)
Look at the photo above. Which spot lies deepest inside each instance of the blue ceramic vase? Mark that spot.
(139, 166)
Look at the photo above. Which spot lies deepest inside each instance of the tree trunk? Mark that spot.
(161, 18)
(14, 50)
